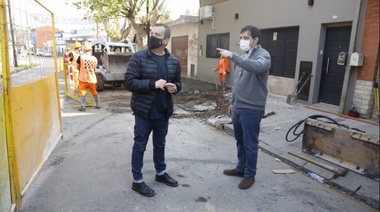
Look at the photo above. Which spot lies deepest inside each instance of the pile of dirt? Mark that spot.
(193, 93)
(215, 103)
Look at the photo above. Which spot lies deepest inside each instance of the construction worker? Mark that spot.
(66, 59)
(223, 68)
(87, 79)
(73, 55)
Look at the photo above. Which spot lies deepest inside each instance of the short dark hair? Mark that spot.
(255, 32)
(167, 29)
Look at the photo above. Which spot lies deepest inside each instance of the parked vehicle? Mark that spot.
(113, 59)
(46, 54)
(40, 52)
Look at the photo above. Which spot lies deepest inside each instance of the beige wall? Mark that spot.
(269, 14)
(280, 85)
(191, 30)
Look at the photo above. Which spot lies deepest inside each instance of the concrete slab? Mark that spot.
(219, 121)
(359, 186)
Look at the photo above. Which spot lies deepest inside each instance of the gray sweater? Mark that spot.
(251, 75)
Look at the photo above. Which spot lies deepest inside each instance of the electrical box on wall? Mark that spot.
(356, 59)
(205, 12)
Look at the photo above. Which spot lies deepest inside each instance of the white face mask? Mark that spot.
(244, 45)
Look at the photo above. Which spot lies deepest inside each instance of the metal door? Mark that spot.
(180, 51)
(282, 44)
(337, 41)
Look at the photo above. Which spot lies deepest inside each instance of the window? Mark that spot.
(282, 45)
(217, 41)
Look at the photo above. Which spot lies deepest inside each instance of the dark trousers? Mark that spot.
(246, 124)
(142, 130)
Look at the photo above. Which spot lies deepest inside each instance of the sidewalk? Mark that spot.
(273, 141)
(90, 169)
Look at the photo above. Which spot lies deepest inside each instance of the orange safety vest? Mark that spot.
(87, 67)
(223, 66)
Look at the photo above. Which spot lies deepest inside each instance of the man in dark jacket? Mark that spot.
(152, 76)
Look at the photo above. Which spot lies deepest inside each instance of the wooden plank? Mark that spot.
(283, 171)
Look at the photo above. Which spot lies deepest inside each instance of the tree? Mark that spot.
(138, 15)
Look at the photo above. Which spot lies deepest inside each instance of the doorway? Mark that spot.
(180, 51)
(333, 70)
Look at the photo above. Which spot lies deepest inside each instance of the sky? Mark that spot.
(175, 7)
(65, 12)
(59, 7)
(179, 7)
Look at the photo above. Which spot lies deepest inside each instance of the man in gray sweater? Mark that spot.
(248, 101)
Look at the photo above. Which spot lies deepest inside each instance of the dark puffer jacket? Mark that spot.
(140, 79)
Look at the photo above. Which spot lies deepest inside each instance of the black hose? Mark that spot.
(298, 124)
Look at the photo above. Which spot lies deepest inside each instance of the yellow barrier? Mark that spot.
(30, 113)
(5, 188)
(14, 189)
(42, 111)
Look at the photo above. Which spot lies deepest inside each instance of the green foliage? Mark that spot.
(165, 18)
(27, 66)
(119, 17)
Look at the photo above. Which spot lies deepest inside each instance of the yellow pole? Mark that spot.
(7, 87)
(55, 62)
(65, 72)
(56, 73)
(376, 94)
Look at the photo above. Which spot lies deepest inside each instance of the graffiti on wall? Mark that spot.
(193, 49)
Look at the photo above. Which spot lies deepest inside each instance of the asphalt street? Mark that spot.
(90, 168)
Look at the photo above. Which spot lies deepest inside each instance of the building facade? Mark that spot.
(330, 46)
(184, 43)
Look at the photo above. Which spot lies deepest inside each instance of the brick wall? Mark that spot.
(367, 74)
(44, 35)
(370, 42)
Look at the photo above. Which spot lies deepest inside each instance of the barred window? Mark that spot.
(217, 41)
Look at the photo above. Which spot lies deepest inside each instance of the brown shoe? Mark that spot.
(233, 172)
(246, 182)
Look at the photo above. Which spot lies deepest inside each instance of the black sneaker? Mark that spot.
(143, 189)
(165, 178)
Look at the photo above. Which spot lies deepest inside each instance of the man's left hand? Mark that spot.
(171, 87)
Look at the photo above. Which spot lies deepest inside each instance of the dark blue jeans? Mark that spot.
(246, 124)
(143, 128)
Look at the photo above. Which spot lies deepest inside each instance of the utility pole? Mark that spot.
(12, 34)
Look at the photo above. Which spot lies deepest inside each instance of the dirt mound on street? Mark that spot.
(194, 94)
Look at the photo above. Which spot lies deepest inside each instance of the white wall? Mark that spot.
(191, 30)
